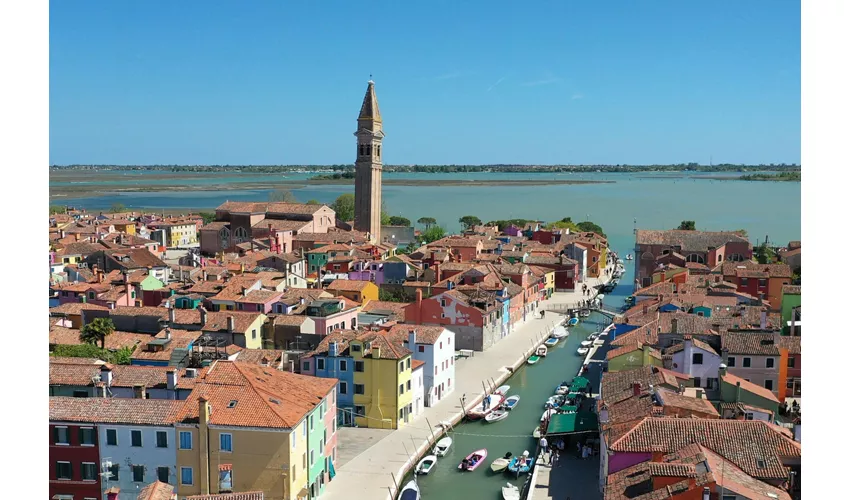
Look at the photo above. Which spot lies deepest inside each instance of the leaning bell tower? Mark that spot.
(368, 167)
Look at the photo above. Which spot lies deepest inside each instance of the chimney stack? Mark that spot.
(172, 316)
(231, 324)
(106, 374)
(706, 493)
(763, 323)
(171, 379)
(636, 388)
(411, 339)
(167, 333)
(139, 392)
(203, 312)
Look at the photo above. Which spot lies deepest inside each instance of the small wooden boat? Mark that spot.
(409, 492)
(426, 464)
(586, 343)
(560, 332)
(542, 351)
(554, 401)
(510, 492)
(502, 389)
(442, 446)
(496, 400)
(475, 459)
(572, 322)
(551, 342)
(583, 350)
(520, 469)
(533, 359)
(511, 402)
(629, 257)
(501, 464)
(496, 415)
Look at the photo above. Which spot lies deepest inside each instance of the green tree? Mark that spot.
(764, 254)
(432, 234)
(688, 225)
(742, 233)
(344, 207)
(57, 209)
(469, 220)
(396, 220)
(588, 226)
(392, 295)
(385, 216)
(122, 356)
(97, 331)
(565, 223)
(117, 208)
(208, 217)
(313, 202)
(283, 195)
(427, 222)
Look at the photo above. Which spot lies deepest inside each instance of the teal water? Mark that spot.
(534, 384)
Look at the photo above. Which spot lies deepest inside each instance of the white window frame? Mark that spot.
(343, 387)
(156, 444)
(191, 476)
(221, 443)
(82, 468)
(94, 437)
(141, 438)
(67, 435)
(343, 365)
(69, 465)
(180, 440)
(107, 437)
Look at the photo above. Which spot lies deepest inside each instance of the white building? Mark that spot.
(136, 438)
(697, 359)
(417, 382)
(435, 345)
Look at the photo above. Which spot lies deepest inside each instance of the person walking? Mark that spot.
(555, 456)
(544, 446)
(578, 449)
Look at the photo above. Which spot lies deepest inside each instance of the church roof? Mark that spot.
(369, 110)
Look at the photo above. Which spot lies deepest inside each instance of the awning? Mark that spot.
(573, 423)
(331, 469)
(579, 384)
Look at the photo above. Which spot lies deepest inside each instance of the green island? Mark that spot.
(781, 177)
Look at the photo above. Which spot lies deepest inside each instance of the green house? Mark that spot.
(702, 311)
(151, 283)
(187, 301)
(790, 304)
(734, 389)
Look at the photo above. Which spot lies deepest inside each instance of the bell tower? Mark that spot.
(368, 167)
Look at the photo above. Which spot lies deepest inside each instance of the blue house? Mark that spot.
(395, 272)
(702, 311)
(331, 359)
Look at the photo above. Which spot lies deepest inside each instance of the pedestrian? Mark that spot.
(544, 445)
(578, 449)
(555, 455)
(560, 445)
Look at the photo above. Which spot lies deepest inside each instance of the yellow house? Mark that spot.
(633, 356)
(242, 328)
(356, 290)
(178, 233)
(244, 427)
(124, 226)
(383, 396)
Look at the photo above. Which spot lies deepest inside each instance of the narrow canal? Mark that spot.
(534, 384)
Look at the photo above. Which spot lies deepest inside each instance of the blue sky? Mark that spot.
(459, 82)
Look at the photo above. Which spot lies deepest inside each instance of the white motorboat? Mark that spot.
(410, 491)
(586, 343)
(542, 351)
(562, 390)
(511, 402)
(593, 335)
(496, 415)
(629, 257)
(560, 332)
(582, 350)
(442, 446)
(536, 433)
(500, 464)
(557, 400)
(510, 492)
(502, 389)
(426, 464)
(548, 414)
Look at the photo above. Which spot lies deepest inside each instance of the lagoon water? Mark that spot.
(657, 200)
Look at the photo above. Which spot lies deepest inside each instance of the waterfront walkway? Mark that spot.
(572, 478)
(375, 473)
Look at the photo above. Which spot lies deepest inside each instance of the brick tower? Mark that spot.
(368, 167)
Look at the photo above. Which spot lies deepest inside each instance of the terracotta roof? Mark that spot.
(735, 479)
(336, 247)
(60, 335)
(342, 337)
(114, 410)
(617, 386)
(638, 346)
(696, 342)
(348, 285)
(256, 356)
(758, 390)
(270, 207)
(263, 397)
(646, 334)
(180, 339)
(676, 400)
(424, 334)
(289, 319)
(260, 297)
(138, 257)
(217, 321)
(755, 344)
(248, 495)
(394, 310)
(156, 491)
(689, 241)
(76, 308)
(790, 343)
(754, 446)
(65, 373)
(750, 269)
(416, 364)
(383, 340)
(281, 225)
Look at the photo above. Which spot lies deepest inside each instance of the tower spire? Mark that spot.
(368, 166)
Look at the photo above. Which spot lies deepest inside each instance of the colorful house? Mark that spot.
(244, 329)
(434, 346)
(358, 291)
(383, 395)
(332, 314)
(790, 305)
(332, 359)
(734, 389)
(632, 356)
(477, 317)
(759, 280)
(790, 372)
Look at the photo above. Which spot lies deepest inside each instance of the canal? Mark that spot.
(534, 384)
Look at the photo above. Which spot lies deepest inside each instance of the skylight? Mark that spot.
(232, 403)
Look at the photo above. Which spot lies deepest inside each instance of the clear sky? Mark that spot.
(458, 82)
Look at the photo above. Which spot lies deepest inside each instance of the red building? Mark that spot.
(74, 462)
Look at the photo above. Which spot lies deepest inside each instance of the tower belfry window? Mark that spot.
(368, 149)
(378, 151)
(360, 150)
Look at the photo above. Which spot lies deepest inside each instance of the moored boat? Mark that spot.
(473, 460)
(409, 492)
(496, 415)
(533, 359)
(502, 389)
(501, 464)
(442, 446)
(582, 350)
(586, 343)
(629, 257)
(496, 400)
(510, 492)
(572, 322)
(551, 342)
(536, 434)
(560, 332)
(511, 402)
(521, 465)
(542, 351)
(426, 464)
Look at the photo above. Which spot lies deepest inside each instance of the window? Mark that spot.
(61, 435)
(320, 364)
(185, 440)
(89, 470)
(254, 332)
(730, 362)
(401, 366)
(768, 363)
(747, 362)
(162, 474)
(745, 282)
(442, 302)
(138, 473)
(114, 471)
(359, 411)
(401, 389)
(358, 366)
(225, 442)
(768, 384)
(305, 366)
(408, 385)
(81, 394)
(87, 436)
(762, 282)
(136, 438)
(312, 422)
(697, 358)
(408, 363)
(343, 387)
(359, 389)
(312, 457)
(343, 365)
(161, 439)
(186, 476)
(789, 384)
(64, 470)
(791, 361)
(401, 414)
(443, 315)
(422, 348)
(112, 437)
(697, 382)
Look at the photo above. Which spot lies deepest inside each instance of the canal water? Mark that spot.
(534, 384)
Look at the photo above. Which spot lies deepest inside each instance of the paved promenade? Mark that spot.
(373, 474)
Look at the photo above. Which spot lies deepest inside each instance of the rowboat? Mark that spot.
(510, 492)
(563, 389)
(560, 332)
(548, 414)
(496, 415)
(582, 350)
(572, 322)
(586, 343)
(511, 402)
(426, 464)
(524, 468)
(551, 342)
(534, 359)
(442, 446)
(471, 462)
(502, 389)
(409, 492)
(496, 400)
(501, 464)
(542, 351)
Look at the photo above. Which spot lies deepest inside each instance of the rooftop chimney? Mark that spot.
(706, 493)
(411, 338)
(171, 379)
(763, 324)
(172, 316)
(636, 388)
(139, 392)
(333, 349)
(106, 374)
(203, 312)
(167, 333)
(231, 324)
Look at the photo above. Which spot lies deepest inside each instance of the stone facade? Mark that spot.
(368, 167)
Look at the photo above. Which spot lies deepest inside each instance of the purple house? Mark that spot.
(367, 271)
(513, 230)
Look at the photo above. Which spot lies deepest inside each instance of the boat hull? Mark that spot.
(481, 454)
(534, 359)
(500, 464)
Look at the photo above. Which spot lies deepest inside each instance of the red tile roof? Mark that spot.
(114, 410)
(749, 387)
(156, 491)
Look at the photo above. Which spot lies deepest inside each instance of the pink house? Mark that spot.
(101, 294)
(367, 271)
(337, 313)
(330, 426)
(258, 300)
